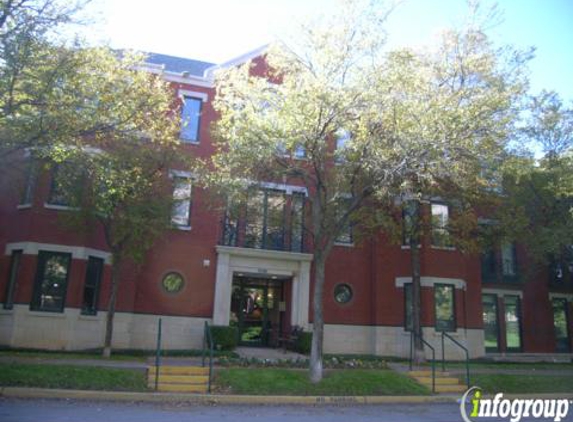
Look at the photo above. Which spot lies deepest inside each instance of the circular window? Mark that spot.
(173, 282)
(342, 293)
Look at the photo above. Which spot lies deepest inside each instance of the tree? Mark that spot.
(451, 109)
(125, 192)
(539, 191)
(306, 102)
(106, 124)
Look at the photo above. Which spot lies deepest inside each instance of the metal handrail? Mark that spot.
(208, 343)
(158, 355)
(412, 336)
(457, 343)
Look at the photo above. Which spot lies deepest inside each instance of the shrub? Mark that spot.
(303, 343)
(224, 337)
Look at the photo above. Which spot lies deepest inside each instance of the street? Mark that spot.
(50, 410)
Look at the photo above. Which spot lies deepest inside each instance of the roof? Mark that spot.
(178, 64)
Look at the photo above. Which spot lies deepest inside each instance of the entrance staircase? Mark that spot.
(181, 379)
(445, 383)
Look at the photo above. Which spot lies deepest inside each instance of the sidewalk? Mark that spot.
(120, 364)
(460, 371)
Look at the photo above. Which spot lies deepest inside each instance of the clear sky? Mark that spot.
(218, 30)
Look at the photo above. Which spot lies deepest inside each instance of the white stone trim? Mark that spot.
(70, 330)
(232, 260)
(59, 207)
(204, 97)
(183, 174)
(78, 252)
(394, 341)
(265, 253)
(289, 189)
(174, 76)
(431, 281)
(568, 296)
(209, 72)
(502, 292)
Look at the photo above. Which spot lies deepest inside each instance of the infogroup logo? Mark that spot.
(514, 409)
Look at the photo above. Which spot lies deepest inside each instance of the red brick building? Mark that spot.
(54, 283)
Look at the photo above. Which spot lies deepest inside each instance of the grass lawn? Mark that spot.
(71, 377)
(279, 381)
(494, 383)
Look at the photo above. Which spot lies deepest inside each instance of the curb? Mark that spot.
(211, 399)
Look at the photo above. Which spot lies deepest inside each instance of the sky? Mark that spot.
(219, 30)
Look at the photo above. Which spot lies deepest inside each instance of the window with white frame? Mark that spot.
(190, 119)
(181, 211)
(440, 220)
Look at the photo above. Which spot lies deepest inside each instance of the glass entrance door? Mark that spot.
(256, 311)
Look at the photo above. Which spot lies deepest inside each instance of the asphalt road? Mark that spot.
(25, 410)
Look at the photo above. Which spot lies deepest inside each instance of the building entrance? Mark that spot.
(258, 308)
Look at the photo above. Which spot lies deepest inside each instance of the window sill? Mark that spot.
(344, 245)
(48, 314)
(444, 248)
(24, 206)
(182, 228)
(188, 142)
(59, 207)
(407, 247)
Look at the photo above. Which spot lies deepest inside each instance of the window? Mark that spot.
(345, 234)
(342, 293)
(409, 221)
(51, 281)
(508, 259)
(297, 222)
(408, 307)
(30, 183)
(561, 324)
(265, 222)
(490, 324)
(342, 139)
(440, 220)
(64, 178)
(488, 266)
(12, 279)
(299, 152)
(190, 119)
(181, 212)
(512, 323)
(92, 284)
(172, 282)
(444, 301)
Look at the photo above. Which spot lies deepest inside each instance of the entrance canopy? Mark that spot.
(263, 264)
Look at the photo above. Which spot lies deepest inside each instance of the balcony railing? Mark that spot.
(256, 236)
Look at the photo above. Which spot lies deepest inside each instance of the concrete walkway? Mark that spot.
(121, 364)
(272, 355)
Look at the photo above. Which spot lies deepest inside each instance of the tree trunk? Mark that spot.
(115, 274)
(419, 356)
(318, 320)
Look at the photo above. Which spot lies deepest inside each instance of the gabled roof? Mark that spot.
(178, 64)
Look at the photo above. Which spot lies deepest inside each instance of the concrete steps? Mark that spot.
(445, 383)
(183, 379)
